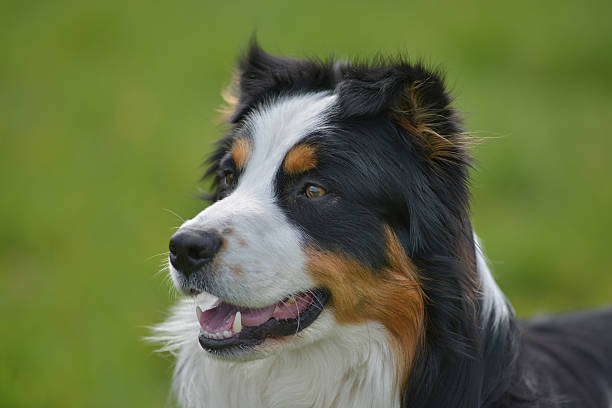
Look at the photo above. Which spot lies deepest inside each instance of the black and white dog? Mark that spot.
(337, 266)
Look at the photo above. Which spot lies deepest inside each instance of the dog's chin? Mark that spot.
(231, 332)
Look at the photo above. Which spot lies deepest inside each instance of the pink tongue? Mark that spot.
(218, 319)
(255, 317)
(221, 317)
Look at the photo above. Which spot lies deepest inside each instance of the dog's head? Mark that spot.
(340, 198)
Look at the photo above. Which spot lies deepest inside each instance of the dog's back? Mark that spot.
(565, 361)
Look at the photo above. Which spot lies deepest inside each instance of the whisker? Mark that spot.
(164, 267)
(175, 214)
(163, 271)
(298, 315)
(318, 303)
(156, 255)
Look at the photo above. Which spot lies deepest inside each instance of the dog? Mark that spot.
(337, 265)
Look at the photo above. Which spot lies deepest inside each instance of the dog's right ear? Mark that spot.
(416, 98)
(262, 75)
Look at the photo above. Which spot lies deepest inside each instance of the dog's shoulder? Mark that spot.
(571, 357)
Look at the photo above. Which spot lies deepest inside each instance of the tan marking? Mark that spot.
(391, 296)
(230, 99)
(421, 121)
(215, 260)
(242, 243)
(237, 270)
(241, 151)
(300, 158)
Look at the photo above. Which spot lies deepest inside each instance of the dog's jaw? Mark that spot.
(328, 366)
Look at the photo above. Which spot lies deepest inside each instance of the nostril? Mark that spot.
(198, 254)
(172, 248)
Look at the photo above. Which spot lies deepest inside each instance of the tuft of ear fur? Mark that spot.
(261, 74)
(230, 99)
(415, 98)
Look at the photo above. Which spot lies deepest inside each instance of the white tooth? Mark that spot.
(276, 309)
(227, 334)
(199, 312)
(237, 326)
(214, 335)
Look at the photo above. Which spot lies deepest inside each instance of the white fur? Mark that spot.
(345, 367)
(495, 308)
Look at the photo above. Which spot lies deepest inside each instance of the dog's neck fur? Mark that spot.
(354, 368)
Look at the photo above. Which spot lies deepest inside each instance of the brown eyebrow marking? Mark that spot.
(300, 158)
(241, 151)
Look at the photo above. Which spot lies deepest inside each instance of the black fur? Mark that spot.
(379, 168)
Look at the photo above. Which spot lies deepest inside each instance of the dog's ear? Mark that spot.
(260, 74)
(414, 97)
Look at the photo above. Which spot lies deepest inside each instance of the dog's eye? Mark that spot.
(313, 191)
(230, 179)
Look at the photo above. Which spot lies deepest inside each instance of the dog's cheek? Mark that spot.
(391, 296)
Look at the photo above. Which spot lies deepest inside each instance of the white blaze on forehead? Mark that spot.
(276, 128)
(262, 261)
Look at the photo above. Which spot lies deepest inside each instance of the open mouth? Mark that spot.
(225, 328)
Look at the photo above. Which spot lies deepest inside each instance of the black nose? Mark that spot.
(190, 250)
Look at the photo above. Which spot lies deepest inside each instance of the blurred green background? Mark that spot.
(107, 109)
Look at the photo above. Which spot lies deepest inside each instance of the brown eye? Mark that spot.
(230, 179)
(313, 191)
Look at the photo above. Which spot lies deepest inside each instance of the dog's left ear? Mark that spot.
(260, 75)
(414, 97)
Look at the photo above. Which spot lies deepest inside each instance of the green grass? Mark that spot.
(107, 108)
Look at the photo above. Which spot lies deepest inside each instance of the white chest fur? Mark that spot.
(354, 368)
